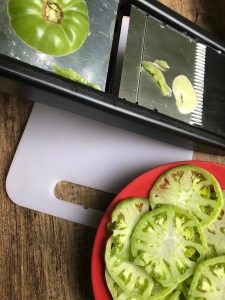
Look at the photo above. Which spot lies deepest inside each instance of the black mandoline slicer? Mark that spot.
(123, 35)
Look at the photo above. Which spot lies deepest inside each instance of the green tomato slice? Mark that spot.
(115, 290)
(186, 287)
(168, 242)
(130, 278)
(123, 220)
(209, 280)
(175, 295)
(126, 275)
(73, 75)
(185, 95)
(54, 27)
(163, 293)
(118, 294)
(215, 235)
(191, 188)
(161, 64)
(158, 77)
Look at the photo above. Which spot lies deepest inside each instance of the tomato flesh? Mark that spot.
(115, 290)
(124, 217)
(168, 242)
(130, 278)
(190, 188)
(209, 280)
(215, 235)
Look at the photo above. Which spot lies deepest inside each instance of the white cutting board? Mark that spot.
(61, 146)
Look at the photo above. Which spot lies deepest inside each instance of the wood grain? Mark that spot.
(87, 197)
(207, 14)
(42, 257)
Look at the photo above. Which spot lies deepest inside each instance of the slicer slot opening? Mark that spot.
(112, 82)
(75, 193)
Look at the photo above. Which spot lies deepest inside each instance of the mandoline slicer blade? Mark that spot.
(184, 55)
(199, 80)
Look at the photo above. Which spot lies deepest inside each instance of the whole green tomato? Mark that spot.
(54, 27)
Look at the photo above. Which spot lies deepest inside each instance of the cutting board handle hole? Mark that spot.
(81, 195)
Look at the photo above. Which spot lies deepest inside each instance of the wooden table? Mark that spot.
(43, 257)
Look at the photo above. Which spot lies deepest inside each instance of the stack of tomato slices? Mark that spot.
(171, 245)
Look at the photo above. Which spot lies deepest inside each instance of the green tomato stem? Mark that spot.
(52, 12)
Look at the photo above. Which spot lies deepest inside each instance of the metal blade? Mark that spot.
(130, 77)
(149, 39)
(164, 43)
(199, 82)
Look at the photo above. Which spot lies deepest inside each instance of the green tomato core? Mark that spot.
(52, 12)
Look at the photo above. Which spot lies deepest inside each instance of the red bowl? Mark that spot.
(139, 187)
